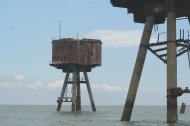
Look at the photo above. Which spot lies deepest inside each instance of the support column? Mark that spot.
(171, 66)
(138, 69)
(78, 98)
(89, 92)
(60, 100)
(74, 91)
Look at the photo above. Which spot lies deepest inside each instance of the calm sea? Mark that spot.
(33, 115)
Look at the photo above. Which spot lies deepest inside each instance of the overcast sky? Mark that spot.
(27, 28)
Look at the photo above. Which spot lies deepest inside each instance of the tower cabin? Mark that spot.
(75, 56)
(71, 54)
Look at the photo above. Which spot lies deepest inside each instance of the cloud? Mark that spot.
(17, 83)
(19, 77)
(118, 38)
(58, 85)
(54, 85)
(36, 85)
(11, 85)
(108, 88)
(51, 85)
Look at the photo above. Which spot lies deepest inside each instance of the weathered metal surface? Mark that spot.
(158, 8)
(182, 109)
(75, 56)
(60, 99)
(138, 69)
(79, 55)
(78, 97)
(171, 65)
(89, 92)
(76, 91)
(159, 49)
(175, 92)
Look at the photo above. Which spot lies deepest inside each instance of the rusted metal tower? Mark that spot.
(153, 12)
(75, 56)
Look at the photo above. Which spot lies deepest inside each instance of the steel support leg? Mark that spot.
(60, 100)
(89, 92)
(138, 69)
(171, 66)
(74, 91)
(78, 98)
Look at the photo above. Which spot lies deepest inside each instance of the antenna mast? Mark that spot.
(59, 29)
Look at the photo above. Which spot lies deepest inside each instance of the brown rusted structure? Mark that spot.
(75, 56)
(182, 109)
(158, 8)
(153, 12)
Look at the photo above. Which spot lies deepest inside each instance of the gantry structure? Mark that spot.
(151, 12)
(74, 56)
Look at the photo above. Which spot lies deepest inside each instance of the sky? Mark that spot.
(27, 28)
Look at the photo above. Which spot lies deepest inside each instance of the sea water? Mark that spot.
(46, 115)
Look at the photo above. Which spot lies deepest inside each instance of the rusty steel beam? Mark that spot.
(74, 91)
(138, 69)
(158, 43)
(89, 92)
(60, 100)
(157, 54)
(171, 64)
(78, 97)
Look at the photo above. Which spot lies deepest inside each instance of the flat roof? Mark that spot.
(77, 40)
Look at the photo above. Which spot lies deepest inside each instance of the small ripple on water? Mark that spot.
(105, 116)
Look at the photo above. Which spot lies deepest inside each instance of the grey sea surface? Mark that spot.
(46, 115)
